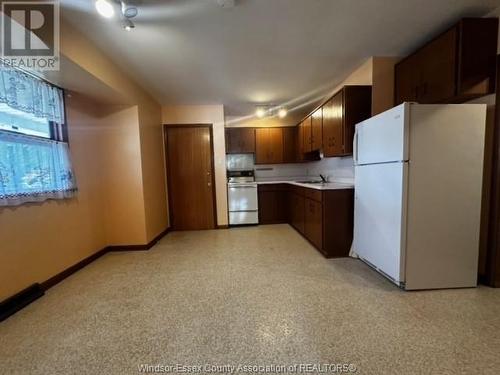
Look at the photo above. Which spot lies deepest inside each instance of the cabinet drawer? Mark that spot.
(273, 187)
(314, 194)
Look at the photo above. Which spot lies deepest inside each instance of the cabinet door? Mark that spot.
(273, 203)
(407, 79)
(314, 222)
(438, 66)
(262, 146)
(332, 126)
(297, 212)
(289, 144)
(240, 140)
(306, 124)
(317, 129)
(338, 221)
(247, 140)
(300, 142)
(275, 145)
(357, 107)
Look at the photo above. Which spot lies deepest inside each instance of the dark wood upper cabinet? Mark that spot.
(352, 104)
(332, 126)
(289, 144)
(268, 145)
(357, 107)
(299, 142)
(240, 140)
(454, 67)
(307, 135)
(317, 129)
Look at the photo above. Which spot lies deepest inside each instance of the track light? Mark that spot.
(260, 112)
(282, 112)
(105, 8)
(128, 11)
(128, 25)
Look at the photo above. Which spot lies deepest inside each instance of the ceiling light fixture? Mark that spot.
(128, 25)
(282, 112)
(105, 8)
(260, 112)
(226, 3)
(129, 10)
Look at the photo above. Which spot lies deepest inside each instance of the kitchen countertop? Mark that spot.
(323, 186)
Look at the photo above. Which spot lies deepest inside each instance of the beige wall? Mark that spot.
(206, 114)
(122, 176)
(151, 212)
(41, 240)
(118, 161)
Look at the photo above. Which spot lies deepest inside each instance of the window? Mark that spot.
(34, 154)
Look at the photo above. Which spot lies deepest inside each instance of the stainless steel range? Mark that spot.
(242, 197)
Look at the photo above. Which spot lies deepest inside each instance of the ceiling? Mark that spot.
(261, 51)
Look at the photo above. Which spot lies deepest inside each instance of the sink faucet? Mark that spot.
(323, 178)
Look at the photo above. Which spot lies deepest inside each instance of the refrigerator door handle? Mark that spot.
(355, 147)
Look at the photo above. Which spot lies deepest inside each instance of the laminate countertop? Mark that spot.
(317, 186)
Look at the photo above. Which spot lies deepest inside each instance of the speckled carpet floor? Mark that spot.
(247, 296)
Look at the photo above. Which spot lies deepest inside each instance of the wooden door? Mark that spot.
(240, 140)
(306, 124)
(289, 144)
(317, 129)
(190, 177)
(332, 126)
(313, 225)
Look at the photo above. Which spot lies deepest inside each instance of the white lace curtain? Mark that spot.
(32, 168)
(31, 95)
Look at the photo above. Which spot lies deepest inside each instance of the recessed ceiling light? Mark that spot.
(105, 8)
(282, 112)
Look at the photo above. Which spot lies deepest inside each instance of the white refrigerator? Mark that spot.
(418, 190)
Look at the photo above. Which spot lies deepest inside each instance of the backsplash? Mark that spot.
(340, 169)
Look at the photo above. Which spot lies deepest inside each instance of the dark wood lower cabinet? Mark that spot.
(338, 222)
(313, 223)
(296, 211)
(324, 217)
(273, 203)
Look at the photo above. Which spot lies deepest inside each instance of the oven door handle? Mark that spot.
(240, 186)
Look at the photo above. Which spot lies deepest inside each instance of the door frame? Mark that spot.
(167, 168)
